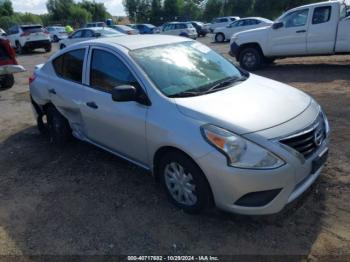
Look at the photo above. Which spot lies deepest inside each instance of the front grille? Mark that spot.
(309, 140)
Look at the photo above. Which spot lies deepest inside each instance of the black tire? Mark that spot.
(19, 48)
(269, 61)
(202, 190)
(55, 38)
(48, 48)
(219, 38)
(6, 82)
(62, 46)
(251, 59)
(42, 125)
(58, 127)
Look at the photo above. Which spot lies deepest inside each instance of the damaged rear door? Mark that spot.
(66, 91)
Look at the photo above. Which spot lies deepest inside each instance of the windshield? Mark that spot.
(184, 67)
(109, 32)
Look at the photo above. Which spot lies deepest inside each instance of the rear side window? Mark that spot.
(70, 65)
(107, 71)
(32, 29)
(321, 15)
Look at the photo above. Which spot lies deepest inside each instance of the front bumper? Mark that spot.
(234, 47)
(232, 187)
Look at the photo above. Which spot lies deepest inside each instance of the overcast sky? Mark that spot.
(115, 7)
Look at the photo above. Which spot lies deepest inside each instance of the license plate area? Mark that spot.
(319, 161)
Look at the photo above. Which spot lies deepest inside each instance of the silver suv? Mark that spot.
(207, 130)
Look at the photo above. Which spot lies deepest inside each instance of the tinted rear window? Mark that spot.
(70, 65)
(32, 29)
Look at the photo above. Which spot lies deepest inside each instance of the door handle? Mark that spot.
(300, 31)
(92, 105)
(52, 91)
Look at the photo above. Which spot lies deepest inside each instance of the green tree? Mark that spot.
(171, 10)
(156, 12)
(190, 10)
(78, 16)
(60, 9)
(98, 11)
(6, 8)
(212, 9)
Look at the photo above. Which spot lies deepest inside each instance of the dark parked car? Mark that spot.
(202, 29)
(146, 29)
(8, 64)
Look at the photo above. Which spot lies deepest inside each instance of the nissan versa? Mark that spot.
(208, 131)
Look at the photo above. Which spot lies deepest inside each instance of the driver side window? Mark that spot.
(107, 71)
(296, 19)
(78, 34)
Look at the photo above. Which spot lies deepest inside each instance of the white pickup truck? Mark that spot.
(315, 29)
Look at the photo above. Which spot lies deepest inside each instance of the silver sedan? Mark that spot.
(208, 131)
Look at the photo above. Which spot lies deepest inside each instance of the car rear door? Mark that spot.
(65, 87)
(290, 39)
(322, 30)
(116, 126)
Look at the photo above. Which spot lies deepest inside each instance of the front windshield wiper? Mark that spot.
(185, 94)
(225, 83)
(217, 86)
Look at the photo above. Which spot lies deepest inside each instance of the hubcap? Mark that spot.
(180, 184)
(220, 38)
(249, 59)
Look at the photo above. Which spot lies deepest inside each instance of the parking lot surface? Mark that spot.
(81, 200)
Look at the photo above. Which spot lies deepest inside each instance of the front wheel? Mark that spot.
(184, 182)
(250, 59)
(19, 48)
(48, 48)
(219, 37)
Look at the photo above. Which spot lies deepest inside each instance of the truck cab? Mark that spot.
(315, 29)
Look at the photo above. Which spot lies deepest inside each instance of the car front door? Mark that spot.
(290, 39)
(116, 126)
(76, 37)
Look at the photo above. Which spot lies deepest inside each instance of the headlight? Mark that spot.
(240, 152)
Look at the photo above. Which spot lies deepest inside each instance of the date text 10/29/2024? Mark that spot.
(173, 258)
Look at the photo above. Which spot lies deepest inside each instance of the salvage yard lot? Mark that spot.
(82, 200)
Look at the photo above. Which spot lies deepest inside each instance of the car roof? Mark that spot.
(256, 18)
(133, 42)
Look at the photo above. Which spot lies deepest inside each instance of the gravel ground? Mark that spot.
(80, 200)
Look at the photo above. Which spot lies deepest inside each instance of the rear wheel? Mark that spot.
(48, 48)
(251, 59)
(19, 48)
(184, 182)
(58, 127)
(6, 82)
(219, 37)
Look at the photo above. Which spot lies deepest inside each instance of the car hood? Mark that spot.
(253, 105)
(259, 30)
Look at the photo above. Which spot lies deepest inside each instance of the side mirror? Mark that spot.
(124, 93)
(4, 34)
(277, 25)
(97, 35)
(128, 93)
